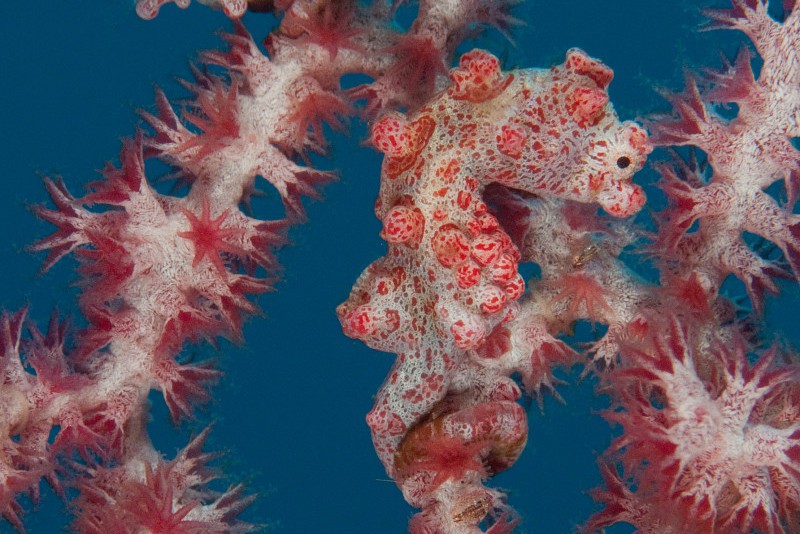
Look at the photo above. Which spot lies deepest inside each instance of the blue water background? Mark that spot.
(290, 409)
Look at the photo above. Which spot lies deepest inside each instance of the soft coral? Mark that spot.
(162, 497)
(312, 105)
(330, 27)
(210, 237)
(412, 78)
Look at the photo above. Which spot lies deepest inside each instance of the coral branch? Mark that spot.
(158, 271)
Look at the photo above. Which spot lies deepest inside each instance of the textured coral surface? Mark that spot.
(510, 223)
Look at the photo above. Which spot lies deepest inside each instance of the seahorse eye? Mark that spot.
(623, 162)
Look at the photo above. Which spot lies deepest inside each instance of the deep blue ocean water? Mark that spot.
(290, 410)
